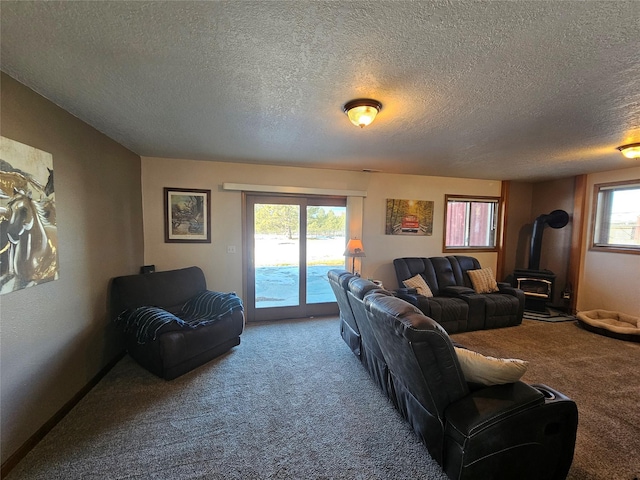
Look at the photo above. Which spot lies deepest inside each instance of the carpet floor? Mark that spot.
(291, 401)
(601, 374)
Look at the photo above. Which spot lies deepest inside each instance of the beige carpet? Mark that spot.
(601, 374)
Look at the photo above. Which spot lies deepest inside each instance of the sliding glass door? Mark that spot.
(291, 244)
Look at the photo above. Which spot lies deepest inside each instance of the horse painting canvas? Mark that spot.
(28, 230)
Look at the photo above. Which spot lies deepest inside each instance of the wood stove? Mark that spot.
(538, 285)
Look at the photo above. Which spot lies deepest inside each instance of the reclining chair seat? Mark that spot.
(339, 282)
(371, 355)
(502, 308)
(499, 310)
(451, 313)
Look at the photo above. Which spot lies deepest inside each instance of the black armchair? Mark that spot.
(175, 347)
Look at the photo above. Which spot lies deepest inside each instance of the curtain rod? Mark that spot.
(245, 187)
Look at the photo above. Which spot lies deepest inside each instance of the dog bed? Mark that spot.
(612, 324)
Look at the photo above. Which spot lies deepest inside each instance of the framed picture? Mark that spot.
(409, 217)
(187, 215)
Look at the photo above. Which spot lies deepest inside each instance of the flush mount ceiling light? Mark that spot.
(362, 111)
(630, 151)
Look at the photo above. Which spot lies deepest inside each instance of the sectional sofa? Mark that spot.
(350, 291)
(502, 429)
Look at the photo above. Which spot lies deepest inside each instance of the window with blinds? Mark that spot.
(471, 223)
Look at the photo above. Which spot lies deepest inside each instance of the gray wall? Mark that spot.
(56, 336)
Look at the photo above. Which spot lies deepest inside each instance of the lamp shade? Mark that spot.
(354, 248)
(630, 151)
(362, 112)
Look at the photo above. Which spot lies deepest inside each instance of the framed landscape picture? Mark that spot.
(409, 217)
(187, 215)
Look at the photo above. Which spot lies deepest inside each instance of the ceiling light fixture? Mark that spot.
(362, 111)
(630, 151)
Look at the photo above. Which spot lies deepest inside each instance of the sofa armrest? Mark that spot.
(509, 290)
(415, 299)
(486, 407)
(405, 291)
(516, 292)
(456, 291)
(529, 430)
(412, 297)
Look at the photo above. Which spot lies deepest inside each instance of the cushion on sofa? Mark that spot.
(483, 280)
(419, 284)
(478, 368)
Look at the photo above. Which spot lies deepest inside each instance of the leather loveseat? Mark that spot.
(175, 347)
(455, 304)
(499, 432)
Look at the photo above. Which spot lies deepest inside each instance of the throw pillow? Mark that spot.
(483, 280)
(478, 368)
(419, 284)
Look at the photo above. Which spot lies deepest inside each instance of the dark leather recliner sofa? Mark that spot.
(370, 354)
(176, 349)
(502, 432)
(349, 331)
(455, 305)
(355, 330)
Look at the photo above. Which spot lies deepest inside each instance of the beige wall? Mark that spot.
(609, 281)
(56, 336)
(224, 271)
(381, 249)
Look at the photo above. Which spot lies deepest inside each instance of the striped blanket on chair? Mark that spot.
(203, 309)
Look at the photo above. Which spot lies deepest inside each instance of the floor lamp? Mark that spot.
(354, 249)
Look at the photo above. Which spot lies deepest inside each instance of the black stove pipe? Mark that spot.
(555, 219)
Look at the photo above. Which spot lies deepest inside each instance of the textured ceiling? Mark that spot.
(521, 90)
